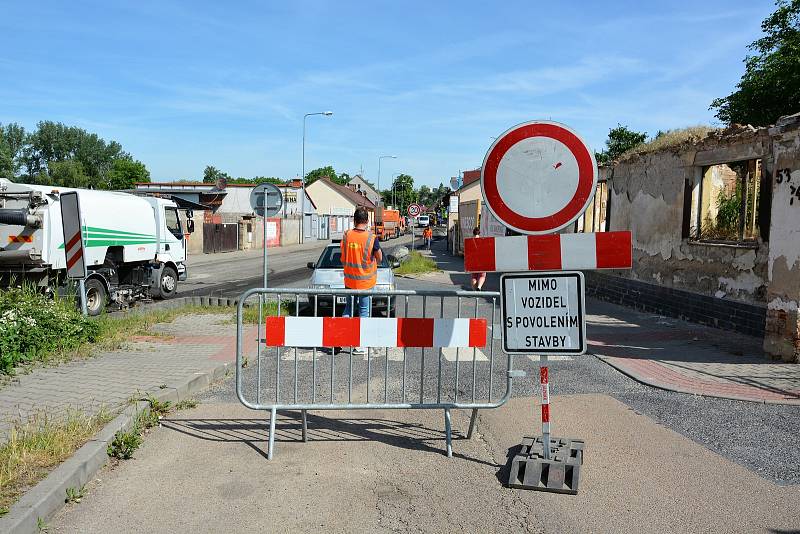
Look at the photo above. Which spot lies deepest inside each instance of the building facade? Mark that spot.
(716, 231)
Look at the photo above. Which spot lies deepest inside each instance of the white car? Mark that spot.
(423, 220)
(329, 274)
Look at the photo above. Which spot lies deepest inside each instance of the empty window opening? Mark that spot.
(726, 202)
(595, 218)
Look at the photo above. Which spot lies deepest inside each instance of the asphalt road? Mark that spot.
(230, 274)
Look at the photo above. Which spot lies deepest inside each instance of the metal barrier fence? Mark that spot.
(304, 360)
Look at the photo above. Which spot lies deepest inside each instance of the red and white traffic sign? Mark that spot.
(414, 210)
(73, 240)
(538, 177)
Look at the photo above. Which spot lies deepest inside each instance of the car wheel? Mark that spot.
(96, 297)
(167, 283)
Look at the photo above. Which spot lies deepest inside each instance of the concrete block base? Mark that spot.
(559, 474)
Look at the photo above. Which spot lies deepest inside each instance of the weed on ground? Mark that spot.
(35, 447)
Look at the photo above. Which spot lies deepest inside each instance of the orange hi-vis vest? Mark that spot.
(360, 270)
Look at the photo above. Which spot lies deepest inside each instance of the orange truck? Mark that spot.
(388, 223)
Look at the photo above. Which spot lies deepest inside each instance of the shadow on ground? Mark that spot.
(254, 432)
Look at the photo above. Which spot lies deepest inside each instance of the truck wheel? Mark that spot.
(95, 297)
(168, 283)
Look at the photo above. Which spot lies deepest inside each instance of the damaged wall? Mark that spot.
(782, 335)
(647, 196)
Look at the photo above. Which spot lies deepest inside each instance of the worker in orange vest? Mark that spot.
(427, 234)
(361, 254)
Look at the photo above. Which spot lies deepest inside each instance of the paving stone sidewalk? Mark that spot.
(178, 350)
(665, 352)
(689, 358)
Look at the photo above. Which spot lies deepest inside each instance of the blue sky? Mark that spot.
(183, 85)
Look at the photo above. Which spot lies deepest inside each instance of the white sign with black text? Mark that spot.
(543, 313)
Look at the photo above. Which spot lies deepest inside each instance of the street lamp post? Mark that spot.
(394, 178)
(380, 197)
(303, 176)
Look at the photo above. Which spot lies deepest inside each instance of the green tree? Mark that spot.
(404, 194)
(328, 171)
(126, 172)
(770, 86)
(12, 143)
(257, 180)
(620, 140)
(66, 173)
(55, 142)
(424, 195)
(211, 174)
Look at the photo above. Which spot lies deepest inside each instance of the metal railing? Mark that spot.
(315, 378)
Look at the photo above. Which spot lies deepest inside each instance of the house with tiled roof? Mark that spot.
(338, 201)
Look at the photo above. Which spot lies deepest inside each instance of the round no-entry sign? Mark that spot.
(538, 177)
(414, 210)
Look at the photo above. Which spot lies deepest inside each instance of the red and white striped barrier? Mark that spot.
(545, 401)
(288, 331)
(552, 252)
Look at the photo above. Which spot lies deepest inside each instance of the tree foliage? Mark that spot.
(770, 86)
(211, 175)
(328, 171)
(620, 140)
(126, 173)
(404, 193)
(56, 154)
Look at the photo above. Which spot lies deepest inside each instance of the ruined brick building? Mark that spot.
(716, 231)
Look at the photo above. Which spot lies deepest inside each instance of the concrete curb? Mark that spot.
(660, 385)
(48, 496)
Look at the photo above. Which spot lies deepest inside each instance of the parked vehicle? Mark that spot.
(329, 274)
(387, 223)
(423, 220)
(134, 246)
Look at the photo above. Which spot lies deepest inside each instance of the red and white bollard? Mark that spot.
(543, 379)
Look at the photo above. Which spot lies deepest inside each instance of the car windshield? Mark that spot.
(332, 259)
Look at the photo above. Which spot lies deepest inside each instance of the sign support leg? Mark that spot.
(82, 291)
(448, 432)
(543, 378)
(472, 420)
(273, 414)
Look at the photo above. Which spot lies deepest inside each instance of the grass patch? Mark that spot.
(417, 264)
(670, 139)
(187, 404)
(250, 315)
(34, 448)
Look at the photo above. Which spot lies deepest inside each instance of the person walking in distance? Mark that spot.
(478, 279)
(427, 233)
(361, 254)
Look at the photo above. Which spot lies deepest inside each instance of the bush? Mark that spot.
(33, 326)
(416, 263)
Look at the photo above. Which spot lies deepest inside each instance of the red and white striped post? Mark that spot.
(543, 379)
